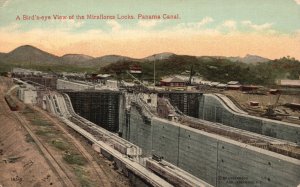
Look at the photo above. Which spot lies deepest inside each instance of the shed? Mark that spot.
(173, 82)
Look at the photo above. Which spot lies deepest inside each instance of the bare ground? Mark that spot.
(21, 164)
(264, 100)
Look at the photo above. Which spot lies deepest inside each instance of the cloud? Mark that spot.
(115, 26)
(195, 28)
(148, 23)
(205, 21)
(74, 23)
(187, 38)
(126, 42)
(298, 2)
(190, 29)
(11, 27)
(70, 23)
(230, 24)
(195, 25)
(257, 27)
(4, 3)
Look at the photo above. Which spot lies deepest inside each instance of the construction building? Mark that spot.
(173, 82)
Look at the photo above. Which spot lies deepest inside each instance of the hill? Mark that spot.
(75, 58)
(107, 59)
(159, 56)
(250, 69)
(216, 69)
(29, 54)
(249, 59)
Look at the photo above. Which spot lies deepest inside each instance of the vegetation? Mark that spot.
(61, 145)
(44, 132)
(83, 179)
(70, 155)
(216, 69)
(210, 68)
(5, 67)
(74, 158)
(40, 122)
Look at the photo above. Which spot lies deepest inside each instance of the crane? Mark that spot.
(270, 110)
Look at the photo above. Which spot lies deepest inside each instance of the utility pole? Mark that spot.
(154, 73)
(154, 69)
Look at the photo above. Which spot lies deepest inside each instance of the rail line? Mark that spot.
(54, 165)
(97, 168)
(62, 175)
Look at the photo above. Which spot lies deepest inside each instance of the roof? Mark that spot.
(221, 85)
(205, 82)
(182, 77)
(233, 82)
(250, 86)
(214, 83)
(289, 82)
(172, 79)
(103, 75)
(234, 86)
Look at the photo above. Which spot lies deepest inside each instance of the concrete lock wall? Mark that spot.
(99, 107)
(75, 86)
(45, 81)
(186, 102)
(27, 95)
(215, 159)
(213, 109)
(138, 131)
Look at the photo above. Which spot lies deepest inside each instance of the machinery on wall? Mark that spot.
(271, 111)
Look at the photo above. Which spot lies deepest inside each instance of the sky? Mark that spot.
(268, 28)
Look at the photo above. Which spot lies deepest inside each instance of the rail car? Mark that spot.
(11, 103)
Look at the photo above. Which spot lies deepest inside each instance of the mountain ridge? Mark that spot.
(31, 54)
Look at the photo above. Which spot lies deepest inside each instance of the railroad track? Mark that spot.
(97, 168)
(53, 163)
(15, 116)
